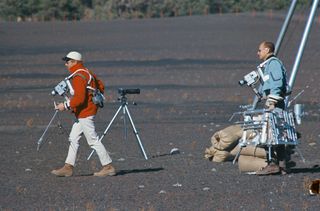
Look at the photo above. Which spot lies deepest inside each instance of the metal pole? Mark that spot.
(302, 46)
(285, 26)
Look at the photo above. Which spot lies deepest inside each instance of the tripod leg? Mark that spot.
(45, 131)
(125, 123)
(136, 133)
(106, 130)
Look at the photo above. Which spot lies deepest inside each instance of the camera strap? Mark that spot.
(76, 73)
(82, 76)
(262, 66)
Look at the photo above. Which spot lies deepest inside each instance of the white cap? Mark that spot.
(73, 55)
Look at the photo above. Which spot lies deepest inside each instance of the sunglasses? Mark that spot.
(66, 60)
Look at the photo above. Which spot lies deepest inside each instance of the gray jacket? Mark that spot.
(275, 79)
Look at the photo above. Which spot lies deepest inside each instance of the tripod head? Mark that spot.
(123, 92)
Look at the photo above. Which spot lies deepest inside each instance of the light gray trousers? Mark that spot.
(86, 126)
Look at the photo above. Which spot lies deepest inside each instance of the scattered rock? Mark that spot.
(30, 122)
(121, 159)
(177, 185)
(174, 151)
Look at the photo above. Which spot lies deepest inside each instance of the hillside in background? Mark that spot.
(48, 10)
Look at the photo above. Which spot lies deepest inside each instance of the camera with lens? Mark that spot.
(123, 92)
(249, 79)
(63, 88)
(60, 89)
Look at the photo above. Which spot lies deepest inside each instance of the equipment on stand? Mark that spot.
(267, 128)
(276, 126)
(124, 107)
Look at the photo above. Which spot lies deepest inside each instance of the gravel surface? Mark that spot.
(188, 70)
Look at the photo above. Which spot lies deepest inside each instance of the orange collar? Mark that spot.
(76, 67)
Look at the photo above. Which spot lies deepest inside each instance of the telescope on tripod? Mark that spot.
(126, 114)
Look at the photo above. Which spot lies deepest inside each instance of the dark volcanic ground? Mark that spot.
(187, 69)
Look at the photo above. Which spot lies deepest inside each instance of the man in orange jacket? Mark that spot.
(83, 107)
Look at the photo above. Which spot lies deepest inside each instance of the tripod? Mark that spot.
(125, 110)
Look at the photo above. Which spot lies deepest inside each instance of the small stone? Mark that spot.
(177, 185)
(174, 151)
(30, 123)
(162, 192)
(121, 159)
(312, 144)
(27, 170)
(206, 189)
(141, 186)
(214, 169)
(17, 152)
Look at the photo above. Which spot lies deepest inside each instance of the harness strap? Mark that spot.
(78, 74)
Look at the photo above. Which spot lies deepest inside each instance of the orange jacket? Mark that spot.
(81, 102)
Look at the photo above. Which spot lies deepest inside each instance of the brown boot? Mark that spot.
(268, 170)
(65, 171)
(107, 170)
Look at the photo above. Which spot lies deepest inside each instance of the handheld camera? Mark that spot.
(60, 89)
(63, 88)
(249, 79)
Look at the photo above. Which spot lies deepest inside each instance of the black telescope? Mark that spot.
(123, 92)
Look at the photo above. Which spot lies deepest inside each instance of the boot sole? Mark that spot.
(110, 174)
(58, 175)
(269, 173)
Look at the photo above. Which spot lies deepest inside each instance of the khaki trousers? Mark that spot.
(86, 126)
